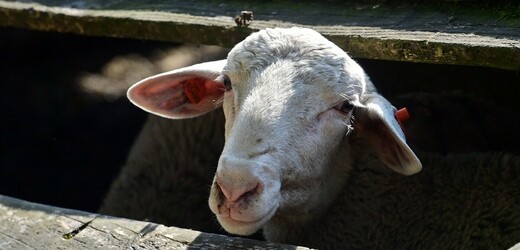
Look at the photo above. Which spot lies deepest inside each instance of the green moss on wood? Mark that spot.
(427, 52)
(500, 48)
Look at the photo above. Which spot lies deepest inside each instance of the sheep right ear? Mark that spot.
(377, 123)
(182, 93)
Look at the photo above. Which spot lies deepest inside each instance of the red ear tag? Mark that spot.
(402, 115)
(195, 89)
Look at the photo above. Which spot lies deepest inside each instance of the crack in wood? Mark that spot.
(185, 242)
(74, 232)
(114, 236)
(135, 239)
(97, 229)
(59, 213)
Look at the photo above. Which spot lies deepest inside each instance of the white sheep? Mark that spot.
(303, 123)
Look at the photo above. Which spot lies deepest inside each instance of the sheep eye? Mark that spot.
(227, 83)
(345, 107)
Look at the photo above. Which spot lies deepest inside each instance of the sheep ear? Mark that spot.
(182, 93)
(376, 121)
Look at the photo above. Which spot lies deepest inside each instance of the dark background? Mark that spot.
(59, 145)
(63, 146)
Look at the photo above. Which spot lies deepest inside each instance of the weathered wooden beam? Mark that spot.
(447, 35)
(26, 225)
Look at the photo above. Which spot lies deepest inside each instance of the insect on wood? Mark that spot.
(244, 19)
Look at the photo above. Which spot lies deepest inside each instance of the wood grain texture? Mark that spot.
(26, 225)
(431, 34)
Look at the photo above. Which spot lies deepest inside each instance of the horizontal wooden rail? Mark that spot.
(441, 34)
(26, 225)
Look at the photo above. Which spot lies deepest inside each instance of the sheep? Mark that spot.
(307, 140)
(143, 191)
(152, 186)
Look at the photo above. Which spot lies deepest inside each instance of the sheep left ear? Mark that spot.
(377, 123)
(182, 93)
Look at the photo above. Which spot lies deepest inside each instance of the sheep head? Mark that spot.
(291, 98)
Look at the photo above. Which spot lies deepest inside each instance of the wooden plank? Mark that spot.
(444, 34)
(26, 225)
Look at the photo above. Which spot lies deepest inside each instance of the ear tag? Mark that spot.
(195, 89)
(402, 115)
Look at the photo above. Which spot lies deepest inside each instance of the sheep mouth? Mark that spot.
(241, 227)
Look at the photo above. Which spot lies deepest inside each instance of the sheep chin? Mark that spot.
(244, 228)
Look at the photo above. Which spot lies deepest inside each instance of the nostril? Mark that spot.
(235, 191)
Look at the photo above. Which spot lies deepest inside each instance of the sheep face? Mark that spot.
(289, 97)
(287, 111)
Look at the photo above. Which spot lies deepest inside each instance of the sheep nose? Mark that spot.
(234, 191)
